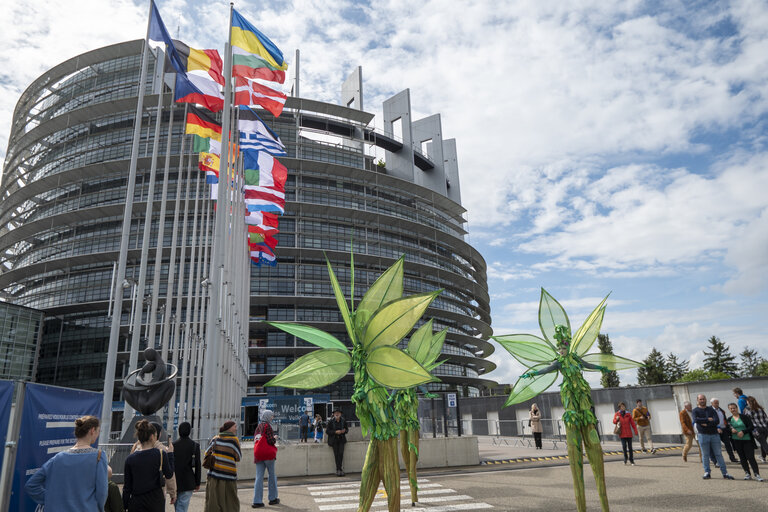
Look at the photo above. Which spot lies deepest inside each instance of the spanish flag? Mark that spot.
(253, 54)
(203, 124)
(209, 162)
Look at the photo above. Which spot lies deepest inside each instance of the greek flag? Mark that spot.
(256, 135)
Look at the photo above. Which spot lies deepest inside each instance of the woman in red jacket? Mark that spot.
(627, 424)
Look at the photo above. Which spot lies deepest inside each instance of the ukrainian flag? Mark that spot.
(258, 50)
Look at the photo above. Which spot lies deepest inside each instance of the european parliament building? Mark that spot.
(387, 192)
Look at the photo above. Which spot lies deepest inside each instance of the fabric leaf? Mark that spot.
(393, 368)
(310, 334)
(610, 361)
(551, 313)
(525, 389)
(436, 348)
(314, 370)
(392, 322)
(388, 287)
(586, 335)
(527, 348)
(341, 302)
(420, 342)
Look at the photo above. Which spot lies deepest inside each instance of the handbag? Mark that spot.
(262, 450)
(617, 429)
(209, 460)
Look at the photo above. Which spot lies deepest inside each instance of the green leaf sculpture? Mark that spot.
(383, 318)
(558, 352)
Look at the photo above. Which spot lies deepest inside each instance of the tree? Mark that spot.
(719, 358)
(674, 368)
(610, 379)
(750, 360)
(762, 369)
(698, 374)
(653, 370)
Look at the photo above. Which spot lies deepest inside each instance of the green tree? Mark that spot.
(719, 358)
(750, 360)
(611, 378)
(653, 370)
(698, 374)
(674, 368)
(762, 369)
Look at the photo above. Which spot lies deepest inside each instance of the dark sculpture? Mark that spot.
(150, 387)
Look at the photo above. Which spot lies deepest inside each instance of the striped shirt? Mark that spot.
(226, 452)
(759, 417)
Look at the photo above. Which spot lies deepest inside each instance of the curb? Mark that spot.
(520, 460)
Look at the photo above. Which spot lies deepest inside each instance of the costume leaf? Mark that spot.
(527, 348)
(392, 322)
(393, 368)
(525, 389)
(611, 361)
(388, 287)
(314, 370)
(587, 334)
(551, 313)
(310, 334)
(341, 302)
(438, 340)
(420, 342)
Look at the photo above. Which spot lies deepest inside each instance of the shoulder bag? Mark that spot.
(262, 450)
(162, 476)
(209, 460)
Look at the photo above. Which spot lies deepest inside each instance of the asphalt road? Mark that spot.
(656, 483)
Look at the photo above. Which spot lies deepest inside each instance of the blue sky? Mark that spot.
(603, 146)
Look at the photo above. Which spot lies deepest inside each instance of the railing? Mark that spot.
(519, 432)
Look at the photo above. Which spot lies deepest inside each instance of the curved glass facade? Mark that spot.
(63, 192)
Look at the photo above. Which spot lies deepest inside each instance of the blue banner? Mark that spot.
(47, 428)
(287, 408)
(6, 397)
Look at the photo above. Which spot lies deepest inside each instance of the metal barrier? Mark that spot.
(518, 432)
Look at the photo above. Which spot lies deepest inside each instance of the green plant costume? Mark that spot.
(382, 318)
(559, 352)
(425, 348)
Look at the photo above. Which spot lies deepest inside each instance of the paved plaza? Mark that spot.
(657, 482)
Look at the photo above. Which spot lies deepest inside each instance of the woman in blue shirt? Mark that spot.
(76, 479)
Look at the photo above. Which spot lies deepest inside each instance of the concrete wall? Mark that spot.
(317, 458)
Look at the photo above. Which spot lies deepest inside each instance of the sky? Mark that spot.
(604, 146)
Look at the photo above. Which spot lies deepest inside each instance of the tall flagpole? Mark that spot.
(117, 311)
(136, 336)
(214, 335)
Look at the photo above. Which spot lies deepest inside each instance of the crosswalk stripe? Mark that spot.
(383, 503)
(352, 494)
(353, 484)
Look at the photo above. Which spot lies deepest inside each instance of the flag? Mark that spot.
(158, 32)
(192, 88)
(210, 164)
(264, 199)
(258, 236)
(206, 61)
(263, 170)
(250, 92)
(203, 124)
(252, 49)
(205, 145)
(255, 134)
(264, 220)
(262, 254)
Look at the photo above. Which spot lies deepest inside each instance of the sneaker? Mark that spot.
(342, 473)
(706, 476)
(653, 450)
(717, 465)
(257, 505)
(758, 478)
(728, 477)
(747, 476)
(625, 463)
(762, 459)
(338, 472)
(632, 463)
(275, 501)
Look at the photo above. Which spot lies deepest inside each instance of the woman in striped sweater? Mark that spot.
(221, 486)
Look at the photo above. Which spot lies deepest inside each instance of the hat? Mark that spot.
(184, 429)
(226, 426)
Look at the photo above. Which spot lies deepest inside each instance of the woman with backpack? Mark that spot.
(264, 455)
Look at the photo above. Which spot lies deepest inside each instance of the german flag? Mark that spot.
(202, 124)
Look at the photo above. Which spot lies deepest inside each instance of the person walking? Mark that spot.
(188, 472)
(642, 419)
(705, 418)
(170, 483)
(304, 422)
(740, 428)
(221, 486)
(725, 434)
(626, 424)
(760, 421)
(75, 479)
(264, 456)
(145, 472)
(534, 422)
(337, 438)
(317, 427)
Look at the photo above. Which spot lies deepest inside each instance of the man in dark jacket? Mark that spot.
(337, 438)
(187, 453)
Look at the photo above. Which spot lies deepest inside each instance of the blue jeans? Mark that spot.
(258, 485)
(182, 501)
(710, 445)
